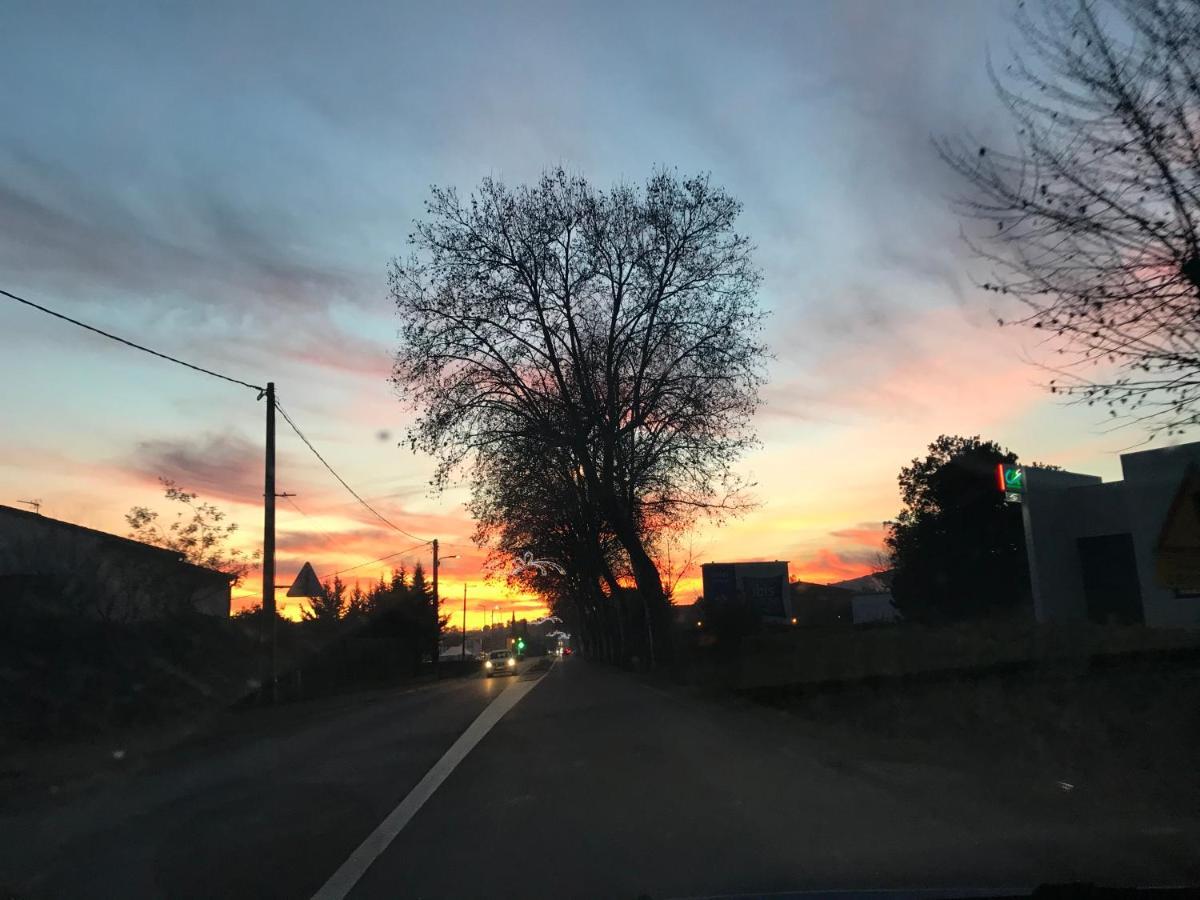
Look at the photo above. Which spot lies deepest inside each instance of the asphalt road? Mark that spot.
(594, 784)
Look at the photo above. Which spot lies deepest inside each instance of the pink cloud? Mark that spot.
(933, 366)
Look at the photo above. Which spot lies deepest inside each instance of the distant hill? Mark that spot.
(867, 584)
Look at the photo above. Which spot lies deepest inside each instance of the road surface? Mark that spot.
(593, 784)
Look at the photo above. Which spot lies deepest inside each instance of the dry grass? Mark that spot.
(1115, 709)
(806, 656)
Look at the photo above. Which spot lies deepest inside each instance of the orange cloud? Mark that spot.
(827, 566)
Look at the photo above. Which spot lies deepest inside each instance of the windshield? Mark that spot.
(690, 448)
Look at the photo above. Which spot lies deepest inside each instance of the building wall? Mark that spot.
(1048, 514)
(1062, 507)
(75, 570)
(1152, 478)
(873, 607)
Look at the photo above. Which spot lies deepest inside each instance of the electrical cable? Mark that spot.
(127, 343)
(342, 481)
(372, 562)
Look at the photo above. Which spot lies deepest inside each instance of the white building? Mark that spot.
(1123, 552)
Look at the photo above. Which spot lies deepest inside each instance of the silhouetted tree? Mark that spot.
(957, 548)
(533, 500)
(329, 608)
(199, 533)
(1093, 219)
(615, 329)
(428, 620)
(358, 605)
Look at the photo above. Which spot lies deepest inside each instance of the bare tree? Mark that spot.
(615, 329)
(1093, 220)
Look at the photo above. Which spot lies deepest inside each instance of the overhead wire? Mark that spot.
(372, 562)
(290, 503)
(237, 381)
(128, 343)
(341, 480)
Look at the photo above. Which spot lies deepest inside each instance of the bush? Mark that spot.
(65, 677)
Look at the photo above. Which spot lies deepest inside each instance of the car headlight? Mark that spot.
(488, 664)
(511, 661)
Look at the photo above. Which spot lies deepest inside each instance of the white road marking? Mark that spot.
(343, 880)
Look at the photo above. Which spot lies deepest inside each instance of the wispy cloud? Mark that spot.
(223, 466)
(866, 534)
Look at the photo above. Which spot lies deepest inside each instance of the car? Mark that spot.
(500, 662)
(567, 651)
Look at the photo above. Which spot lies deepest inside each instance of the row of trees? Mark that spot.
(352, 633)
(589, 362)
(401, 608)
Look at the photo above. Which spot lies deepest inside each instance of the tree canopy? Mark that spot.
(957, 548)
(589, 359)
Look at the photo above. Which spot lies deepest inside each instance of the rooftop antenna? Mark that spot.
(36, 504)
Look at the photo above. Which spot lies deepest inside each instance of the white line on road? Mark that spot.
(343, 880)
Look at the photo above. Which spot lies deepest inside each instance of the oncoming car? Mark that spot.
(500, 662)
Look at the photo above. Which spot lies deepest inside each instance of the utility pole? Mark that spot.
(437, 603)
(268, 570)
(464, 640)
(435, 608)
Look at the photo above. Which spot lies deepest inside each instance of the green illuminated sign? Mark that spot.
(1010, 479)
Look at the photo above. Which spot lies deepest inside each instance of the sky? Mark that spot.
(227, 182)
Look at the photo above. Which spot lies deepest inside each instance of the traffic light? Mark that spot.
(520, 645)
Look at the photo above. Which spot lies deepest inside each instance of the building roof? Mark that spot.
(829, 590)
(126, 544)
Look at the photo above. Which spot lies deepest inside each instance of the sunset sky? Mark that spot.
(228, 185)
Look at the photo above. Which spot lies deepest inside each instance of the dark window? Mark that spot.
(1110, 579)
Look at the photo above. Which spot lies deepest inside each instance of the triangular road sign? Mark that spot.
(1177, 555)
(306, 584)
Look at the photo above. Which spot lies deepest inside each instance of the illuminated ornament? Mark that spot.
(541, 565)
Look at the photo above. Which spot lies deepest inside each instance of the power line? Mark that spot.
(342, 481)
(122, 340)
(372, 562)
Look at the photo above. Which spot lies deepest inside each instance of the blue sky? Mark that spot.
(227, 182)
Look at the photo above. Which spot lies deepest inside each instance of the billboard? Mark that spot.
(762, 585)
(765, 594)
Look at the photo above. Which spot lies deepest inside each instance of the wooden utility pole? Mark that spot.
(464, 640)
(435, 608)
(268, 570)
